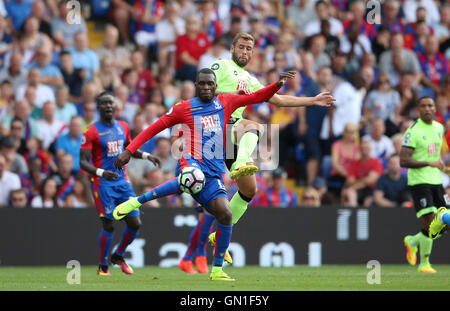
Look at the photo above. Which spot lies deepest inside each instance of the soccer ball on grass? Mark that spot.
(191, 180)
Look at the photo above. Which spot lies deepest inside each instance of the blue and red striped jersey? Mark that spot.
(106, 143)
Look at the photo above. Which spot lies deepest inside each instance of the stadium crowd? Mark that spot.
(376, 64)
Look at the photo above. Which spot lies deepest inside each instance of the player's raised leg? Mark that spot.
(247, 133)
(440, 222)
(167, 188)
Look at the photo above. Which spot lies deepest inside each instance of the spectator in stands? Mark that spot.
(64, 28)
(322, 9)
(362, 177)
(80, 196)
(343, 152)
(119, 55)
(22, 111)
(390, 18)
(107, 75)
(146, 80)
(73, 77)
(167, 31)
(419, 39)
(326, 197)
(236, 12)
(47, 197)
(49, 73)
(235, 28)
(354, 43)
(83, 57)
(18, 198)
(15, 72)
(410, 8)
(302, 12)
(189, 47)
(144, 18)
(187, 90)
(169, 89)
(310, 198)
(8, 182)
(121, 14)
(14, 162)
(38, 11)
(34, 150)
(15, 133)
(88, 95)
(219, 49)
(332, 43)
(433, 63)
(50, 128)
(64, 178)
(278, 195)
(392, 187)
(22, 46)
(347, 109)
(317, 50)
(135, 96)
(383, 102)
(381, 146)
(410, 60)
(71, 142)
(210, 24)
(283, 45)
(31, 32)
(44, 92)
(89, 115)
(65, 110)
(442, 28)
(442, 108)
(17, 13)
(408, 95)
(163, 152)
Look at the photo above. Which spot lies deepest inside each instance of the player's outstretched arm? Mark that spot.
(147, 156)
(324, 99)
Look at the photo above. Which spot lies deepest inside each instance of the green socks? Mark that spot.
(425, 245)
(238, 206)
(247, 145)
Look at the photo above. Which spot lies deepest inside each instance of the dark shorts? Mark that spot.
(428, 198)
(232, 149)
(364, 193)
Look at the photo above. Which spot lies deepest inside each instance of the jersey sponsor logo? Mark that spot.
(114, 147)
(210, 123)
(215, 66)
(432, 148)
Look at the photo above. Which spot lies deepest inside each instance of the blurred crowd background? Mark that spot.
(376, 57)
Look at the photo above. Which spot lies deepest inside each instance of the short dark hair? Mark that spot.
(205, 71)
(424, 97)
(97, 99)
(243, 35)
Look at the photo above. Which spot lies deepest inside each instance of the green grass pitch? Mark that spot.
(249, 278)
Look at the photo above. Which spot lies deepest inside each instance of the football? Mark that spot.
(191, 180)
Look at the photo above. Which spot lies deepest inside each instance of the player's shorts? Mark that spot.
(107, 197)
(213, 189)
(428, 198)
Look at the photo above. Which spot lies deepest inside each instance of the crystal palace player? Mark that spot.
(103, 141)
(206, 117)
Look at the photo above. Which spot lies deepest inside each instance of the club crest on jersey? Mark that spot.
(217, 104)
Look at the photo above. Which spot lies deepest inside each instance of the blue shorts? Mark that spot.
(213, 189)
(107, 197)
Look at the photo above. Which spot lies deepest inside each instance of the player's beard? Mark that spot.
(238, 62)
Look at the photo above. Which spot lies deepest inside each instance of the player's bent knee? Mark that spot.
(225, 217)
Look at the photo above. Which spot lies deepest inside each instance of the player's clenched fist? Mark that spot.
(122, 159)
(108, 175)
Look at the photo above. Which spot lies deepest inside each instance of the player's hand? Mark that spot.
(154, 159)
(324, 99)
(284, 76)
(437, 164)
(122, 159)
(108, 175)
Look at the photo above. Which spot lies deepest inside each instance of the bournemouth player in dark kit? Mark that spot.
(206, 117)
(102, 142)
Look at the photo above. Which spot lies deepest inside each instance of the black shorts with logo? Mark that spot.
(428, 198)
